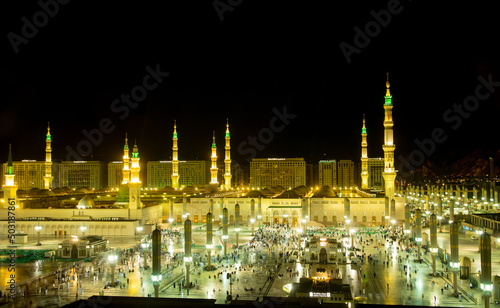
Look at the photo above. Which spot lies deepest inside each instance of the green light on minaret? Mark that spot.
(135, 155)
(227, 134)
(9, 162)
(363, 130)
(175, 135)
(48, 138)
(388, 100)
(213, 145)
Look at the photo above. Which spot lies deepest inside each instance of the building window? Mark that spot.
(179, 219)
(354, 218)
(334, 218)
(325, 218)
(204, 218)
(231, 218)
(364, 218)
(195, 219)
(315, 217)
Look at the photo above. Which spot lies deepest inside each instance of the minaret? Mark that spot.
(175, 159)
(10, 188)
(134, 166)
(126, 163)
(135, 183)
(213, 170)
(48, 160)
(364, 157)
(389, 173)
(227, 160)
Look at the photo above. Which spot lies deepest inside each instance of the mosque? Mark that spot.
(65, 212)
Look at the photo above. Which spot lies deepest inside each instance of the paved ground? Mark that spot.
(387, 286)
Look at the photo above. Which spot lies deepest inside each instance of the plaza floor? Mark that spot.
(376, 281)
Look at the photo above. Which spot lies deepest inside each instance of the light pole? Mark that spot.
(38, 229)
(139, 230)
(83, 229)
(225, 234)
(209, 244)
(112, 260)
(237, 224)
(156, 274)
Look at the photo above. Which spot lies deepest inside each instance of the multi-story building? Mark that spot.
(375, 171)
(240, 175)
(191, 172)
(327, 173)
(75, 174)
(115, 174)
(345, 173)
(30, 173)
(269, 172)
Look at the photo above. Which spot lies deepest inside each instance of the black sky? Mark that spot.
(261, 56)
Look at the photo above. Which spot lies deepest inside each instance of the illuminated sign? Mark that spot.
(316, 294)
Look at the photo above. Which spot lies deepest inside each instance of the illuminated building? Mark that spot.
(29, 174)
(76, 174)
(364, 157)
(327, 173)
(389, 146)
(375, 171)
(345, 173)
(115, 174)
(270, 172)
(227, 159)
(214, 169)
(175, 161)
(194, 172)
(324, 250)
(48, 160)
(323, 288)
(82, 247)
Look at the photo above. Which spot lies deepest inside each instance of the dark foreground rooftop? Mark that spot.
(266, 302)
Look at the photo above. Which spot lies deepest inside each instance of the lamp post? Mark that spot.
(156, 274)
(486, 285)
(479, 233)
(434, 247)
(237, 223)
(209, 244)
(252, 214)
(418, 231)
(187, 249)
(38, 229)
(112, 260)
(225, 234)
(83, 229)
(139, 231)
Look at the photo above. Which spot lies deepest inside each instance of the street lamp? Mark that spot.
(252, 221)
(139, 230)
(38, 229)
(112, 260)
(83, 229)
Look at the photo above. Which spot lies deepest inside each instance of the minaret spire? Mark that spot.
(364, 157)
(389, 173)
(214, 169)
(134, 186)
(48, 160)
(227, 160)
(134, 165)
(175, 159)
(126, 163)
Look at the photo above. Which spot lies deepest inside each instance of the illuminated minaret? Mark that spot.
(175, 159)
(364, 157)
(135, 183)
(10, 188)
(389, 173)
(227, 160)
(126, 163)
(213, 170)
(134, 165)
(48, 160)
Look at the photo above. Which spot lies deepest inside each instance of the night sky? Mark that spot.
(260, 57)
